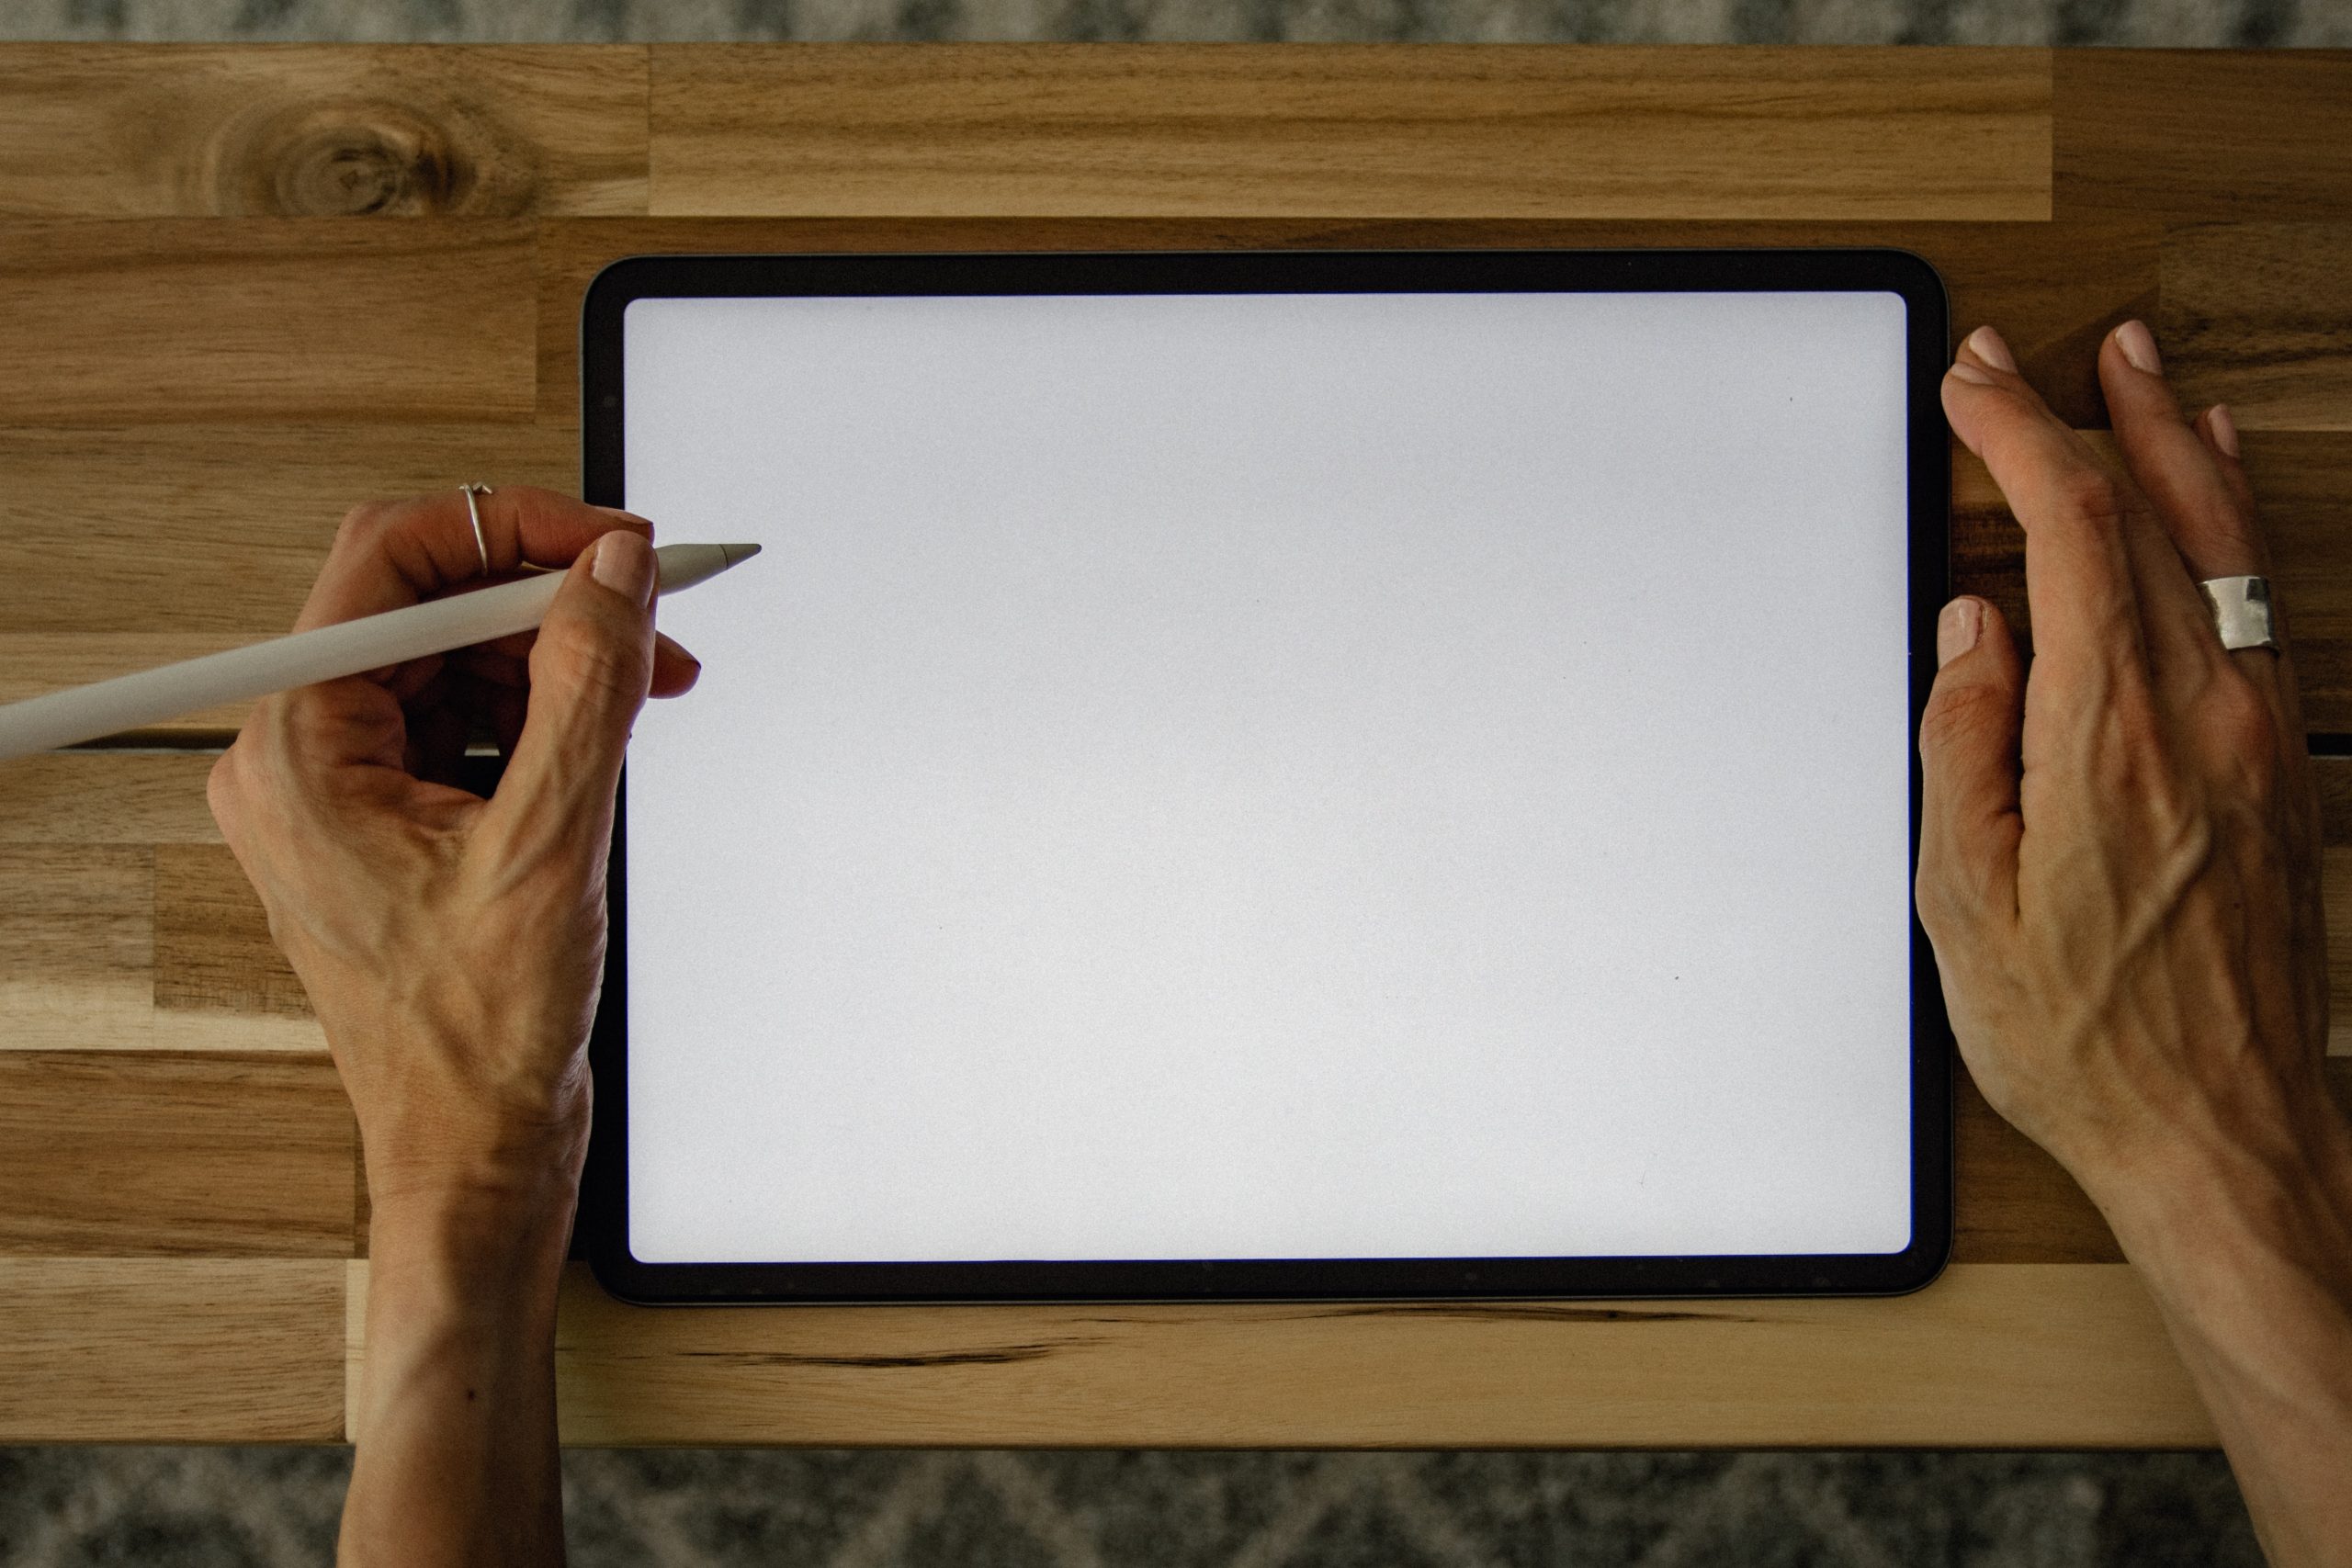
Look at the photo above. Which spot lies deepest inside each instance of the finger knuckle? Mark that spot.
(363, 522)
(2134, 724)
(2240, 715)
(2141, 765)
(2092, 497)
(2239, 722)
(2130, 754)
(606, 664)
(1941, 912)
(1956, 890)
(1960, 715)
(222, 786)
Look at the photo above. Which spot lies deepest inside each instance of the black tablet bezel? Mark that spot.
(604, 1207)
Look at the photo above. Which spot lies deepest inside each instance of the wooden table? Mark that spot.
(242, 287)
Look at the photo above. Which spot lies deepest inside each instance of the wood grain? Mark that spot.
(2012, 1202)
(178, 530)
(2302, 486)
(77, 939)
(2260, 316)
(171, 1350)
(2203, 135)
(193, 321)
(2054, 289)
(213, 950)
(137, 131)
(136, 545)
(2024, 1355)
(2335, 887)
(215, 355)
(1301, 129)
(80, 837)
(222, 1155)
(100, 797)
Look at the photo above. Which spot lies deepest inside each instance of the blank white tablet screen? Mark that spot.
(1274, 777)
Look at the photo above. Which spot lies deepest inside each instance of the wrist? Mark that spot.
(2215, 1205)
(474, 1224)
(466, 1255)
(461, 1158)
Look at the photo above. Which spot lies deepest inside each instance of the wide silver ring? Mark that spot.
(473, 512)
(2241, 607)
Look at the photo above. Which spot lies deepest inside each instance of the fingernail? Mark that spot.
(624, 563)
(1956, 629)
(2224, 429)
(1988, 346)
(2139, 347)
(1967, 372)
(616, 512)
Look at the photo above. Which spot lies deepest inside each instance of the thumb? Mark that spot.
(1969, 822)
(590, 668)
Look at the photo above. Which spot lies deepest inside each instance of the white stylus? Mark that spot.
(372, 642)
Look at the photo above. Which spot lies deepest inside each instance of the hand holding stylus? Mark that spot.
(453, 949)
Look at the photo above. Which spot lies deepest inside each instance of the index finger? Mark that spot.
(2079, 579)
(395, 553)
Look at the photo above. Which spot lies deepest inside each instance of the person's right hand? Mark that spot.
(453, 949)
(2119, 867)
(2119, 859)
(453, 946)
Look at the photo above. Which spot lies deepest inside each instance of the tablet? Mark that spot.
(1276, 775)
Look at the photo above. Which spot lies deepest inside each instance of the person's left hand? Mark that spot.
(452, 946)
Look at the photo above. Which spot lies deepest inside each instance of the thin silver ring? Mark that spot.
(474, 513)
(2241, 607)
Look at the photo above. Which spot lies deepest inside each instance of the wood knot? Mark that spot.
(349, 161)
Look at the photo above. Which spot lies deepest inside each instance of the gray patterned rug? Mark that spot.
(276, 1508)
(219, 1507)
(2172, 23)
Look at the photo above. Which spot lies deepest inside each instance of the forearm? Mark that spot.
(2248, 1255)
(454, 1430)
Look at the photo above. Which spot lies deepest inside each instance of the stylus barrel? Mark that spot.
(328, 653)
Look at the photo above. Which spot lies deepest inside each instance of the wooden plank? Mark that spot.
(98, 797)
(2012, 1202)
(132, 546)
(171, 1350)
(213, 950)
(127, 130)
(77, 939)
(2260, 316)
(2054, 289)
(2203, 134)
(1296, 129)
(208, 528)
(2335, 800)
(186, 321)
(111, 1154)
(80, 836)
(2303, 483)
(2015, 1355)
(2336, 890)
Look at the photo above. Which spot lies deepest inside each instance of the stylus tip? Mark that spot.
(735, 553)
